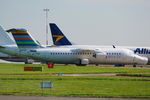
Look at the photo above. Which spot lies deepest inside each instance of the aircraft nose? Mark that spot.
(140, 60)
(145, 60)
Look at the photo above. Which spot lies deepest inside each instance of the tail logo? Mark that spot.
(58, 37)
(23, 38)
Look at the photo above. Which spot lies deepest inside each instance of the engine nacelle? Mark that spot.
(29, 61)
(83, 62)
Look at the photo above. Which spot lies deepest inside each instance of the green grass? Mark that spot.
(18, 69)
(14, 81)
(77, 86)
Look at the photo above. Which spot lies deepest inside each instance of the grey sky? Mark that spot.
(99, 22)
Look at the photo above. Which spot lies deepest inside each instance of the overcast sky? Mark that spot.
(94, 22)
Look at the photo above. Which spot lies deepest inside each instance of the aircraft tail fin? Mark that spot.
(5, 38)
(58, 37)
(23, 38)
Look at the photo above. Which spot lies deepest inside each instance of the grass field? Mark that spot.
(14, 81)
(70, 69)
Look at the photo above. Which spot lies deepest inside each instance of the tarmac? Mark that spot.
(8, 97)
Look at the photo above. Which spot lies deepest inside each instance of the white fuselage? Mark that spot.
(79, 56)
(108, 54)
(7, 57)
(141, 51)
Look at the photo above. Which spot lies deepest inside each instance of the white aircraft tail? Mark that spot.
(5, 38)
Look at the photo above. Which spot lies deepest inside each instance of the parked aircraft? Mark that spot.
(59, 39)
(28, 47)
(7, 57)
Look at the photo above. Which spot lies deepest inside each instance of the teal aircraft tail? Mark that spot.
(58, 37)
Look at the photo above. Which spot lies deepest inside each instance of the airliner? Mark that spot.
(59, 39)
(7, 57)
(29, 48)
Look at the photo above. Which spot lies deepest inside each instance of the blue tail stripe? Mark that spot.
(24, 41)
(21, 36)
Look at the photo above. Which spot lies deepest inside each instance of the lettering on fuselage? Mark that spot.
(142, 51)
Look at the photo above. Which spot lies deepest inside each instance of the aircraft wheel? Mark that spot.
(134, 65)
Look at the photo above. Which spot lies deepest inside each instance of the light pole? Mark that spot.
(46, 10)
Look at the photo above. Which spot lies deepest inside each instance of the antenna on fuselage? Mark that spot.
(114, 46)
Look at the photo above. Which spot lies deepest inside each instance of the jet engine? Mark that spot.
(83, 62)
